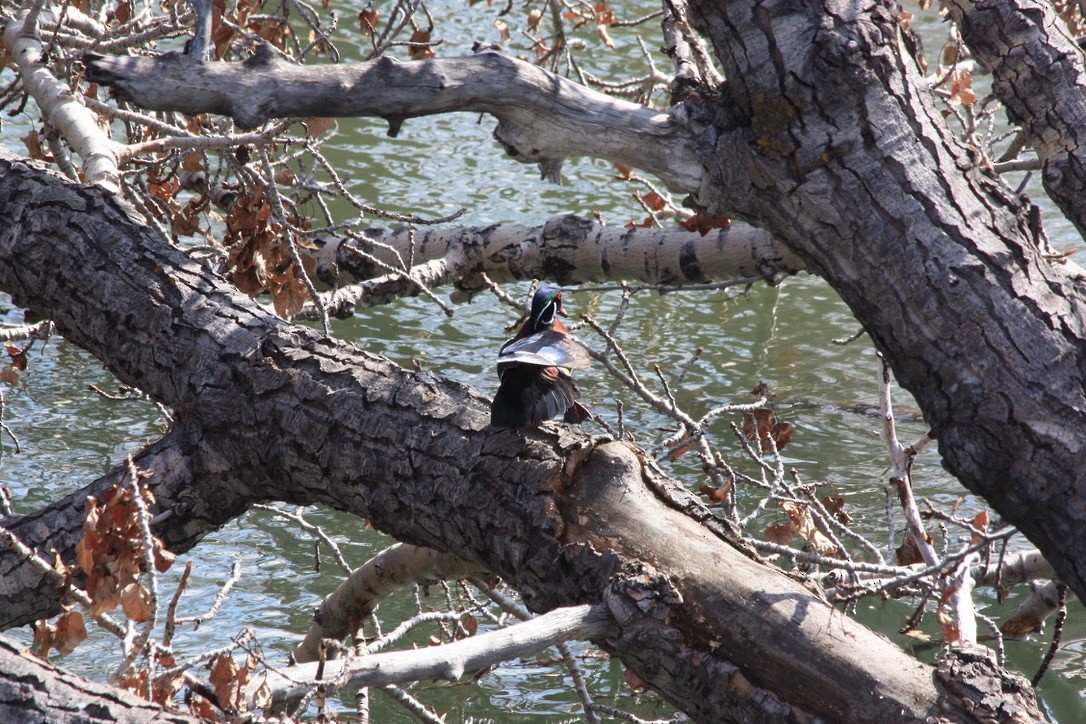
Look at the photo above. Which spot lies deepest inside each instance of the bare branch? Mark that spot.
(542, 118)
(450, 661)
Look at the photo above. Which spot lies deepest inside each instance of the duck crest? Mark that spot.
(534, 369)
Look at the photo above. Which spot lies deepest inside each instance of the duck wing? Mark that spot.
(529, 395)
(547, 349)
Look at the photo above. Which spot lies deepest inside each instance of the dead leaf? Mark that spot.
(835, 506)
(469, 623)
(1021, 626)
(136, 602)
(779, 534)
(32, 141)
(9, 374)
(634, 681)
(718, 494)
(625, 173)
(762, 426)
(317, 127)
(804, 526)
(418, 45)
(534, 19)
(980, 522)
(908, 553)
(653, 201)
(503, 30)
(71, 630)
(704, 222)
(289, 296)
(44, 633)
(228, 679)
(367, 20)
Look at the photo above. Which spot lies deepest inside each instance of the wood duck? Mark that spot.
(534, 369)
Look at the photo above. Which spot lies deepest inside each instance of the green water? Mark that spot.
(782, 335)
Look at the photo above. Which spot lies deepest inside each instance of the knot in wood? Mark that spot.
(638, 590)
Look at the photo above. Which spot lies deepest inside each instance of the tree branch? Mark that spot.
(342, 611)
(542, 118)
(449, 662)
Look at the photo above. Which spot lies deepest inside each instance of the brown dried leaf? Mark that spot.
(980, 522)
(503, 29)
(704, 222)
(9, 374)
(32, 141)
(469, 623)
(44, 634)
(262, 697)
(1021, 626)
(71, 631)
(367, 20)
(779, 534)
(18, 357)
(718, 494)
(193, 161)
(203, 708)
(534, 19)
(289, 296)
(835, 506)
(123, 13)
(762, 426)
(804, 526)
(653, 201)
(625, 173)
(418, 47)
(315, 128)
(961, 87)
(228, 680)
(136, 602)
(908, 553)
(634, 681)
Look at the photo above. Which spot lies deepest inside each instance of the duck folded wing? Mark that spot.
(548, 349)
(529, 395)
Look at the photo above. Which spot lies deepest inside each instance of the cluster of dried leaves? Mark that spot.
(112, 554)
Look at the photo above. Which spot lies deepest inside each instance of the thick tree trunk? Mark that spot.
(828, 138)
(34, 691)
(271, 411)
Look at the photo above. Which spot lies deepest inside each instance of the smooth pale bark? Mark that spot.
(342, 611)
(833, 144)
(566, 249)
(449, 661)
(60, 108)
(271, 411)
(542, 118)
(33, 690)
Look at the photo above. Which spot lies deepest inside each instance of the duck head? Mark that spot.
(546, 306)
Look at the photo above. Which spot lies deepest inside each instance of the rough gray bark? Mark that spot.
(1039, 77)
(827, 137)
(271, 411)
(34, 691)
